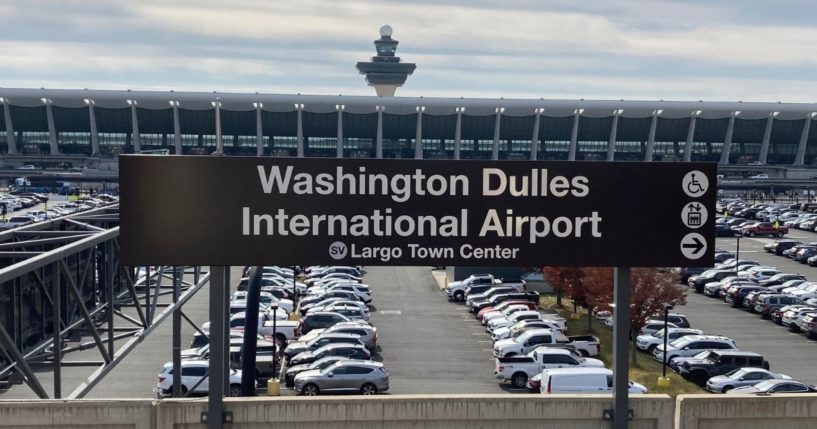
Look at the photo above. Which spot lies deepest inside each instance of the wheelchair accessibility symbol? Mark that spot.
(695, 184)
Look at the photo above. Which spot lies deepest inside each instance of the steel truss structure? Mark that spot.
(63, 289)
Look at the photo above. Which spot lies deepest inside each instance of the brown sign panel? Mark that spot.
(196, 210)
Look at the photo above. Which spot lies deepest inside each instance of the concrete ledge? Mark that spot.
(79, 414)
(794, 411)
(426, 411)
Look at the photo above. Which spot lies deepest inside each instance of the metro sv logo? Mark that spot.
(338, 250)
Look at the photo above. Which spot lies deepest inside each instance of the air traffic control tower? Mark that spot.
(385, 72)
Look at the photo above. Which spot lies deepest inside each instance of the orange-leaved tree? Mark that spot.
(563, 280)
(650, 290)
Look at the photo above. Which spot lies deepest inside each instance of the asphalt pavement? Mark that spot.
(787, 352)
(430, 345)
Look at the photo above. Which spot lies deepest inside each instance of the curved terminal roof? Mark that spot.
(407, 105)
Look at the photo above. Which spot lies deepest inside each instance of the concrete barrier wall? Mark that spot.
(426, 411)
(433, 412)
(82, 414)
(794, 411)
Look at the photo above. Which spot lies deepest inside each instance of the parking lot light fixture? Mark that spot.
(664, 379)
(274, 308)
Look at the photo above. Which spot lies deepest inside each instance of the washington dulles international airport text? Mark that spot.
(400, 188)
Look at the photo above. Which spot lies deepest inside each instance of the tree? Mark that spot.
(563, 280)
(650, 290)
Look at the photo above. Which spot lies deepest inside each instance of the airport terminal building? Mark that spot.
(56, 124)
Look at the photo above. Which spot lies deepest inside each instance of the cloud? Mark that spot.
(560, 48)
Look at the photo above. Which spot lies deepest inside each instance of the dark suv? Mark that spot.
(735, 295)
(678, 320)
(698, 282)
(320, 320)
(781, 245)
(719, 362)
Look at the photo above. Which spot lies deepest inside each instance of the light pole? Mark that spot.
(274, 308)
(737, 255)
(664, 381)
(294, 278)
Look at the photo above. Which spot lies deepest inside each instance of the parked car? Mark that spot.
(768, 387)
(524, 325)
(586, 345)
(582, 380)
(685, 273)
(456, 289)
(791, 318)
(691, 345)
(517, 369)
(366, 377)
(502, 322)
(321, 319)
(296, 347)
(780, 279)
(741, 377)
(648, 342)
(292, 371)
(698, 282)
(766, 304)
(488, 294)
(531, 296)
(530, 306)
(346, 350)
(723, 230)
(192, 373)
(718, 362)
(367, 333)
(655, 325)
(502, 314)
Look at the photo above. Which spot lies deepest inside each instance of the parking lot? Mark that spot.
(430, 345)
(789, 353)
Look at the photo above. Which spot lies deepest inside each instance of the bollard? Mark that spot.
(273, 387)
(663, 382)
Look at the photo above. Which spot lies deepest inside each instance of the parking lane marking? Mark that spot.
(391, 312)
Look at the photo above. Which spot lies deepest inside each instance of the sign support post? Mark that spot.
(621, 346)
(215, 399)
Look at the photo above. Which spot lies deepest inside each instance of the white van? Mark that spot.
(582, 380)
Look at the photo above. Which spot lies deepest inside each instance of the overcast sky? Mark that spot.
(727, 50)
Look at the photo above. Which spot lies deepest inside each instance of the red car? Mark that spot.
(506, 304)
(763, 228)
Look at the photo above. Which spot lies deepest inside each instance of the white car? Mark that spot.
(761, 176)
(648, 342)
(502, 322)
(654, 326)
(360, 290)
(266, 299)
(192, 373)
(582, 380)
(741, 377)
(521, 326)
(26, 167)
(339, 301)
(511, 309)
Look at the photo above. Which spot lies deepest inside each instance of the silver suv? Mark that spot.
(691, 345)
(366, 377)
